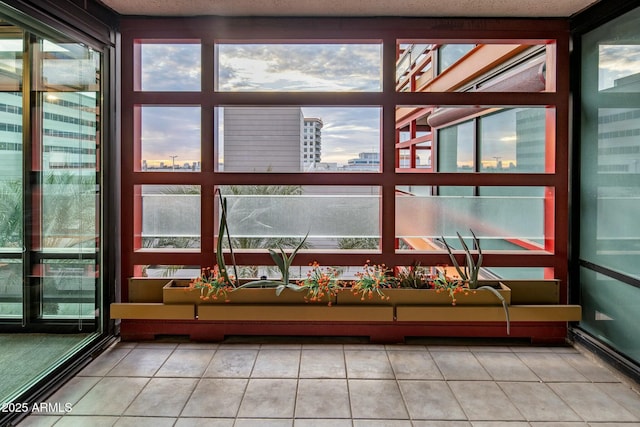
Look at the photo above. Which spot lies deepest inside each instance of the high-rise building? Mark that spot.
(311, 142)
(263, 139)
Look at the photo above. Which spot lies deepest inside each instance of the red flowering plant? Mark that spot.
(372, 280)
(321, 284)
(451, 285)
(212, 283)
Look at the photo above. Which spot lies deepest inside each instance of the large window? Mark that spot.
(610, 190)
(373, 144)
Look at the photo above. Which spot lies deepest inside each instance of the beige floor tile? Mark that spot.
(234, 363)
(558, 424)
(141, 362)
(441, 424)
(381, 423)
(414, 364)
(505, 367)
(551, 367)
(276, 364)
(185, 363)
(589, 368)
(105, 362)
(376, 399)
(499, 424)
(71, 393)
(321, 398)
(459, 365)
(216, 398)
(85, 421)
(110, 396)
(431, 400)
(322, 363)
(198, 346)
(537, 402)
(624, 395)
(484, 401)
(322, 422)
(591, 403)
(145, 422)
(368, 364)
(40, 421)
(269, 398)
(204, 422)
(162, 397)
(250, 422)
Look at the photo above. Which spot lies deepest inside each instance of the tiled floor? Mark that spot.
(305, 385)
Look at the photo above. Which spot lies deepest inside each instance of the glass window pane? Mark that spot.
(298, 139)
(456, 152)
(610, 311)
(513, 140)
(69, 215)
(169, 271)
(11, 161)
(11, 47)
(11, 290)
(69, 289)
(428, 66)
(170, 67)
(170, 140)
(300, 67)
(343, 217)
(449, 54)
(501, 223)
(171, 216)
(66, 67)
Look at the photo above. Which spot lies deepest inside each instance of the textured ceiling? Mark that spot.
(427, 8)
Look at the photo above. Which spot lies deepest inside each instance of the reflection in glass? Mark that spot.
(448, 54)
(170, 216)
(610, 312)
(300, 67)
(298, 139)
(456, 148)
(343, 217)
(10, 288)
(70, 75)
(501, 223)
(618, 140)
(170, 139)
(11, 47)
(170, 67)
(11, 193)
(69, 289)
(619, 67)
(513, 140)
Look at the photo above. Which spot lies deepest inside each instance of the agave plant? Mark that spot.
(470, 272)
(283, 261)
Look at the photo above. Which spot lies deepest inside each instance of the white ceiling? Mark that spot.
(426, 8)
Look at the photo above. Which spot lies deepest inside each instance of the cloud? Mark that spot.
(300, 67)
(171, 67)
(171, 131)
(615, 62)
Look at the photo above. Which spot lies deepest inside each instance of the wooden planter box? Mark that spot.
(155, 311)
(178, 292)
(146, 289)
(536, 292)
(295, 313)
(407, 296)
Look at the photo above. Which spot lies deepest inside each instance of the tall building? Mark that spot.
(65, 148)
(263, 139)
(311, 142)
